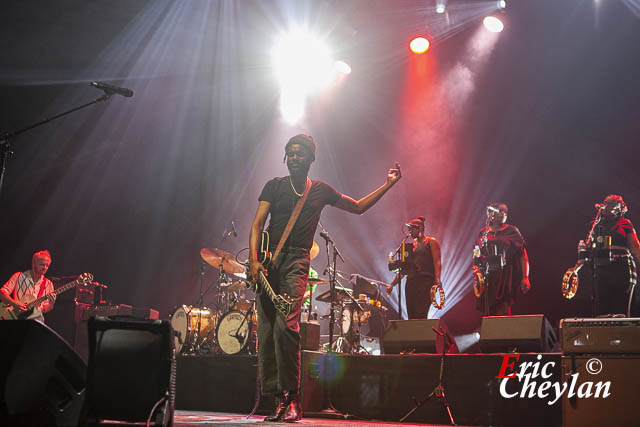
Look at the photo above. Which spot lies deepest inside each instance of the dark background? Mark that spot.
(131, 190)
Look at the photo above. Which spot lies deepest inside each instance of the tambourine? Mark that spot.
(478, 283)
(437, 289)
(570, 281)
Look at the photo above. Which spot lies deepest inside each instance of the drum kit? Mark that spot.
(230, 327)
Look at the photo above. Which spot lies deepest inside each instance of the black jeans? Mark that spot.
(418, 296)
(614, 288)
(279, 337)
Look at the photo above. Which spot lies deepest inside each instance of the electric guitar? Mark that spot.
(8, 312)
(281, 302)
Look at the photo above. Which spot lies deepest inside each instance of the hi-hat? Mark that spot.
(218, 258)
(315, 250)
(317, 280)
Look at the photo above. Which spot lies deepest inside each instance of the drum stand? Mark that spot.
(196, 344)
(438, 390)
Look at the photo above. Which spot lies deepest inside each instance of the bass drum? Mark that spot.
(184, 322)
(236, 331)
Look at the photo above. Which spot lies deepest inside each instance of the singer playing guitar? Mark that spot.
(31, 282)
(279, 337)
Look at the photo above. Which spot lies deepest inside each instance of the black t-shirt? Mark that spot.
(280, 195)
(618, 229)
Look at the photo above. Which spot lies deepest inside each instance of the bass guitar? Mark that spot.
(281, 302)
(8, 312)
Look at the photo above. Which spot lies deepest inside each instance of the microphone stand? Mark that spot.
(593, 242)
(485, 245)
(330, 410)
(399, 277)
(438, 390)
(5, 143)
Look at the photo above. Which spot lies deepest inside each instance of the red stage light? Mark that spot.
(419, 45)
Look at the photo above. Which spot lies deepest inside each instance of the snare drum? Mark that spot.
(184, 322)
(236, 331)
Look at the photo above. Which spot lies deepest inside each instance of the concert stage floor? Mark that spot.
(194, 418)
(372, 388)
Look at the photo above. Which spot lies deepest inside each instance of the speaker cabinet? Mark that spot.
(524, 334)
(131, 374)
(416, 336)
(596, 410)
(309, 336)
(42, 379)
(601, 335)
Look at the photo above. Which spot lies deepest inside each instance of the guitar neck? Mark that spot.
(264, 283)
(58, 291)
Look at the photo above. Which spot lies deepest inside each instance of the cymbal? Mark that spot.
(317, 280)
(315, 250)
(217, 257)
(232, 286)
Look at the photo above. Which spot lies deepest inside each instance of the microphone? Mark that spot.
(238, 336)
(326, 237)
(233, 228)
(110, 89)
(599, 206)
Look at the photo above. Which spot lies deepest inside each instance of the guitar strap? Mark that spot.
(43, 287)
(292, 220)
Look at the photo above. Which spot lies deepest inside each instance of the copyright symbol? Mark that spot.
(594, 366)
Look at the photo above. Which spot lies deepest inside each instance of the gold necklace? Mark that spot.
(294, 188)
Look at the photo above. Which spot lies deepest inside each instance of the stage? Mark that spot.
(373, 388)
(195, 418)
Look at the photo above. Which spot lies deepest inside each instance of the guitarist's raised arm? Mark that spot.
(254, 238)
(360, 206)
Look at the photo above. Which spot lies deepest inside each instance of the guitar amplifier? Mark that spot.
(606, 335)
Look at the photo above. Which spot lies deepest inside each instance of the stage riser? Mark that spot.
(383, 387)
(375, 387)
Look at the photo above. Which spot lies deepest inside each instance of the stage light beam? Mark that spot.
(419, 45)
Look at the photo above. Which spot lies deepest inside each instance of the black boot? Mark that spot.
(294, 411)
(281, 407)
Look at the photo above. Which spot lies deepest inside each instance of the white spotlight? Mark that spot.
(302, 65)
(493, 24)
(502, 4)
(303, 61)
(342, 67)
(441, 6)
